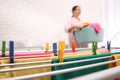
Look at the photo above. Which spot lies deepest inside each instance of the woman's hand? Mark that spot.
(78, 27)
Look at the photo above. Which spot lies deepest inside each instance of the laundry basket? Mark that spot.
(88, 35)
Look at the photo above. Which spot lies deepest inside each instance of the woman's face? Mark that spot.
(77, 11)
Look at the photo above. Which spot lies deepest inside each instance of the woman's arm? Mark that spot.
(74, 27)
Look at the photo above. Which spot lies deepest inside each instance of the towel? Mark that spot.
(29, 54)
(115, 57)
(69, 75)
(96, 26)
(26, 72)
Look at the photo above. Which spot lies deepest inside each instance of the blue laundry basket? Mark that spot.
(88, 35)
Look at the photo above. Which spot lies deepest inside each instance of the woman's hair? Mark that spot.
(74, 8)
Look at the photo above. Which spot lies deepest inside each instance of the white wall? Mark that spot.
(40, 21)
(113, 22)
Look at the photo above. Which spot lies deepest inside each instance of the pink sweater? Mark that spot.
(72, 22)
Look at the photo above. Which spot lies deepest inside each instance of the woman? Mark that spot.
(74, 24)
